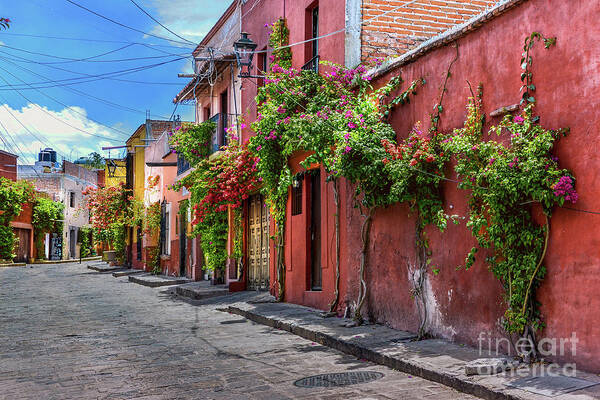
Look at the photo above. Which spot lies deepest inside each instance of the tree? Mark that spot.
(4, 23)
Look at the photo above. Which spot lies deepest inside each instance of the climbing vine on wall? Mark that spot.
(217, 185)
(505, 182)
(339, 121)
(111, 208)
(278, 38)
(4, 23)
(193, 141)
(47, 216)
(13, 197)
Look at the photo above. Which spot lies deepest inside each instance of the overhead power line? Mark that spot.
(53, 116)
(67, 60)
(87, 95)
(44, 142)
(89, 40)
(122, 25)
(92, 78)
(30, 61)
(126, 134)
(158, 22)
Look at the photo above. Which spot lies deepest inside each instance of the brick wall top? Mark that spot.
(8, 165)
(400, 30)
(79, 172)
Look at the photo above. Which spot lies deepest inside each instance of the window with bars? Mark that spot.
(297, 197)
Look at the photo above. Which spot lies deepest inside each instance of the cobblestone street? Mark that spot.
(68, 333)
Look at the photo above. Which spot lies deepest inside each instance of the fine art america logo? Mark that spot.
(526, 349)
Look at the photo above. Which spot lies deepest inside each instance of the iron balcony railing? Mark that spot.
(312, 65)
(182, 164)
(222, 121)
(219, 137)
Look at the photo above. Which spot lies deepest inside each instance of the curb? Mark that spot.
(422, 370)
(12, 265)
(74, 260)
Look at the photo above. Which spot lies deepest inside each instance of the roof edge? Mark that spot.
(217, 26)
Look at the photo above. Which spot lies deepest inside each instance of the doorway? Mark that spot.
(182, 242)
(23, 249)
(315, 231)
(72, 242)
(258, 244)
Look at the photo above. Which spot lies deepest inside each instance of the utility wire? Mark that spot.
(90, 40)
(30, 61)
(20, 152)
(126, 134)
(67, 60)
(5, 105)
(87, 95)
(122, 25)
(158, 22)
(56, 118)
(109, 75)
(327, 34)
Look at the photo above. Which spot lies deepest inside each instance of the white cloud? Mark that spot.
(188, 18)
(61, 130)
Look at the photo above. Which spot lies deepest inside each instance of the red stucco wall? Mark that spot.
(331, 18)
(465, 303)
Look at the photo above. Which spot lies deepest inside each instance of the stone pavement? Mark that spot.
(69, 333)
(438, 360)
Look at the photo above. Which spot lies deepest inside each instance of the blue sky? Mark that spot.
(36, 118)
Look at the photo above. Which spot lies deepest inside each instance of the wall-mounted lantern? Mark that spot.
(244, 53)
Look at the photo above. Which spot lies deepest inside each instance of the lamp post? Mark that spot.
(244, 53)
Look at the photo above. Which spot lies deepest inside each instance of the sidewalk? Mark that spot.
(433, 359)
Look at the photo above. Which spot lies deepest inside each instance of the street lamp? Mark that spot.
(112, 167)
(244, 53)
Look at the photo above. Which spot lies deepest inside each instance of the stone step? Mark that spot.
(157, 280)
(105, 267)
(127, 272)
(201, 290)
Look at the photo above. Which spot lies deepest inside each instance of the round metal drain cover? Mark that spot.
(339, 379)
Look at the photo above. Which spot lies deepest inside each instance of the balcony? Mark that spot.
(182, 164)
(312, 65)
(219, 137)
(222, 121)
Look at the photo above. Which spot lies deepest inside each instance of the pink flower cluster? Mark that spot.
(271, 136)
(564, 188)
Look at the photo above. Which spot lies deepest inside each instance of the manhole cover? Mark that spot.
(339, 379)
(551, 386)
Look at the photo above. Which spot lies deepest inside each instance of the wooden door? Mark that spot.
(258, 244)
(23, 249)
(182, 243)
(315, 231)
